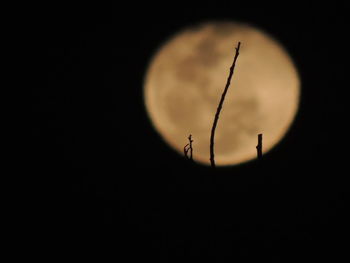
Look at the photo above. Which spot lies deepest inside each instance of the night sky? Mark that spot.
(111, 187)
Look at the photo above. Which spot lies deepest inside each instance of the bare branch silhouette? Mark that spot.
(212, 160)
(188, 148)
(259, 146)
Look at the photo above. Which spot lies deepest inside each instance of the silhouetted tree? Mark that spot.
(212, 160)
(259, 146)
(188, 148)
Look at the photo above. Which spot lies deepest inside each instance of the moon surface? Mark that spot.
(186, 77)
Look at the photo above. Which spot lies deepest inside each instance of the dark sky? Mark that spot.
(110, 183)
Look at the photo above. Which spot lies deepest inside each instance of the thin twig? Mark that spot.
(259, 146)
(212, 160)
(188, 147)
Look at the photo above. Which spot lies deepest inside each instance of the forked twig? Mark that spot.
(212, 160)
(188, 148)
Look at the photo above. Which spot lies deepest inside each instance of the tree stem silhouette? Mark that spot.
(259, 146)
(212, 159)
(188, 147)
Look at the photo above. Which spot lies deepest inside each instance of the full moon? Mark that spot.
(187, 75)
